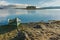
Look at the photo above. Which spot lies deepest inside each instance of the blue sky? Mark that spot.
(24, 1)
(40, 3)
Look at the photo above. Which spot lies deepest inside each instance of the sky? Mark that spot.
(39, 3)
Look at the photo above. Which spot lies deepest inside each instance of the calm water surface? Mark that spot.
(29, 15)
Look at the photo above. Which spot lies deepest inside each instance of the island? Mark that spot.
(31, 7)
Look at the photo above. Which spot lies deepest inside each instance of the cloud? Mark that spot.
(49, 3)
(18, 5)
(21, 5)
(4, 3)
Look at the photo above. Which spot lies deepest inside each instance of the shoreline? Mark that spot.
(39, 31)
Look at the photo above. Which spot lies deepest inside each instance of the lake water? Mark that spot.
(29, 15)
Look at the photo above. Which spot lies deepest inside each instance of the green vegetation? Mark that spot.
(30, 7)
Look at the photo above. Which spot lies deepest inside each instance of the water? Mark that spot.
(29, 15)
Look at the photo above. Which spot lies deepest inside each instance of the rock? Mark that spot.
(38, 26)
(20, 36)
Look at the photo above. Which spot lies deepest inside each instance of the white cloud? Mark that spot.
(4, 3)
(50, 3)
(21, 5)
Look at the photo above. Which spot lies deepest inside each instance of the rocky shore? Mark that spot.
(31, 31)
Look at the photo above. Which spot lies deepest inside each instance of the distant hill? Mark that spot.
(27, 7)
(56, 7)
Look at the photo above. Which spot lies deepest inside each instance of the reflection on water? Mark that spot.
(31, 11)
(29, 15)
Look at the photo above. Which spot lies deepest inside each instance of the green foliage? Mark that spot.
(30, 7)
